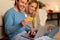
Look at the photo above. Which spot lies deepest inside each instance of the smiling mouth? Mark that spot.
(22, 8)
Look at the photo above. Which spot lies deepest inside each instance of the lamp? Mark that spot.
(56, 8)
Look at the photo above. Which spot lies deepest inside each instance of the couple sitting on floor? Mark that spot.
(23, 17)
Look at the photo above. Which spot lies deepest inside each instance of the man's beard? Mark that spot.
(18, 8)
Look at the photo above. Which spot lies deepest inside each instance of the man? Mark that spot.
(15, 20)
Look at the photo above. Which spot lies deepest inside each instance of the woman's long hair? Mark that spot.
(35, 13)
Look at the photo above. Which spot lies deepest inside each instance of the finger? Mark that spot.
(34, 33)
(25, 20)
(29, 32)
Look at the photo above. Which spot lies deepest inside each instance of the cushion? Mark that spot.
(1, 21)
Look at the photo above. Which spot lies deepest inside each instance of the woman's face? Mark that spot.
(32, 7)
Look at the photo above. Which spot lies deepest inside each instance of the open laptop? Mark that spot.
(40, 33)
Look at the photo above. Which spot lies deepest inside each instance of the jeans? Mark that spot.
(52, 33)
(19, 37)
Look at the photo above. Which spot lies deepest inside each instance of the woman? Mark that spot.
(32, 12)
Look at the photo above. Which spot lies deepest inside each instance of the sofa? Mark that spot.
(2, 31)
(1, 25)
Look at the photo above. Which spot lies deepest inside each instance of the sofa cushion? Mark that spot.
(1, 21)
(1, 25)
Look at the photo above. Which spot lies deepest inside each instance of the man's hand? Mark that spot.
(24, 22)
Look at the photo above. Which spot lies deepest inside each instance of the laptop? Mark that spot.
(40, 33)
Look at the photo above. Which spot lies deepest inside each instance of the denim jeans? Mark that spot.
(52, 33)
(19, 37)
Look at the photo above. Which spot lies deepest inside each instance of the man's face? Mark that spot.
(22, 4)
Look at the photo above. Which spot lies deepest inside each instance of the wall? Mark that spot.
(51, 4)
(5, 5)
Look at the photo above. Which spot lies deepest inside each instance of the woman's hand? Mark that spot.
(31, 33)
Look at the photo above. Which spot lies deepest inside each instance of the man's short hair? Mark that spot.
(18, 0)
